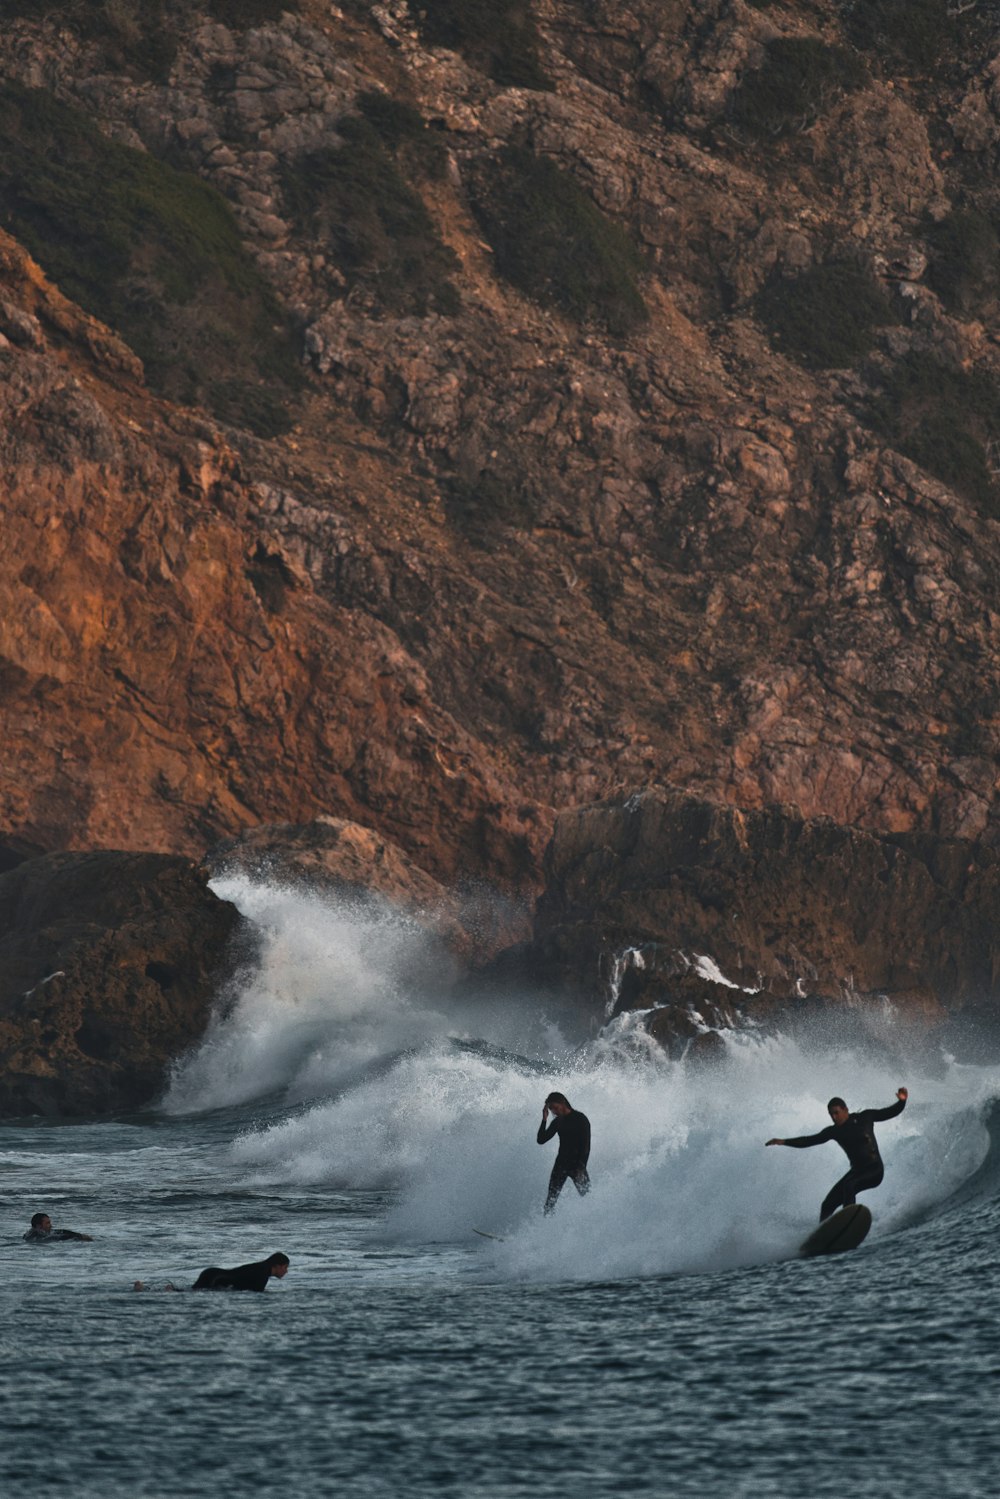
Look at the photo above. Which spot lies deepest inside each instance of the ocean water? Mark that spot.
(659, 1337)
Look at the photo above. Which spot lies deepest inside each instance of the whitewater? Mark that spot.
(658, 1337)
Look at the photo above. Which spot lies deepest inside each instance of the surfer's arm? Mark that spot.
(890, 1113)
(801, 1141)
(547, 1133)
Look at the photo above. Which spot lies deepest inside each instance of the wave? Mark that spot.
(390, 1086)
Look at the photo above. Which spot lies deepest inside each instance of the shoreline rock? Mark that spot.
(710, 917)
(109, 965)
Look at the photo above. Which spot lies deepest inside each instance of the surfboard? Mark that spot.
(484, 1235)
(843, 1230)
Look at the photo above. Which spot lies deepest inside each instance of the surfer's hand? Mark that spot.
(774, 1142)
(903, 1093)
(545, 1113)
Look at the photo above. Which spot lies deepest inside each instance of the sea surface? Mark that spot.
(659, 1337)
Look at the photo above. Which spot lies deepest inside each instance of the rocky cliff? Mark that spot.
(700, 917)
(438, 416)
(110, 965)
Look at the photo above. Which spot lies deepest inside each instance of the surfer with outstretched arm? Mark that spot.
(573, 1129)
(855, 1135)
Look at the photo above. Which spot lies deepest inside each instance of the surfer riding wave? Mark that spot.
(855, 1135)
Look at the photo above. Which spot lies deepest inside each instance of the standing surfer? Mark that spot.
(573, 1129)
(856, 1137)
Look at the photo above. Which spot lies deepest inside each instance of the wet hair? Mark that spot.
(836, 1103)
(277, 1259)
(37, 1219)
(557, 1098)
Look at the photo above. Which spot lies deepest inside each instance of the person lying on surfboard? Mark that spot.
(42, 1232)
(856, 1138)
(573, 1129)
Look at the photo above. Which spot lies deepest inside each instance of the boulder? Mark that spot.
(108, 966)
(708, 916)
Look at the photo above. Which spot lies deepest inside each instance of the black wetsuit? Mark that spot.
(856, 1138)
(244, 1278)
(53, 1236)
(573, 1130)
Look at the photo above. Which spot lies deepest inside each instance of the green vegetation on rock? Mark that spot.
(143, 36)
(552, 242)
(498, 36)
(943, 419)
(799, 78)
(138, 36)
(826, 317)
(500, 496)
(903, 33)
(403, 131)
(964, 266)
(153, 252)
(355, 200)
(239, 15)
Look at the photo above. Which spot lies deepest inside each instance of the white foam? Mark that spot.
(331, 993)
(681, 1176)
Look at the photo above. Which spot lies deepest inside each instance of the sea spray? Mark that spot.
(334, 990)
(440, 1105)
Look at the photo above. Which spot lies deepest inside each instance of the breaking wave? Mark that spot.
(387, 1083)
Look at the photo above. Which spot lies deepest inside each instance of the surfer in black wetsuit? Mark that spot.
(855, 1135)
(245, 1277)
(42, 1232)
(573, 1129)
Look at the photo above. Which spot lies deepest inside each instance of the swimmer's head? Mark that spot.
(278, 1264)
(41, 1221)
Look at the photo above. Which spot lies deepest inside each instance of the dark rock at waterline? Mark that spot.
(108, 966)
(709, 916)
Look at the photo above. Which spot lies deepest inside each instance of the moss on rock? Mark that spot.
(943, 419)
(800, 77)
(499, 36)
(553, 243)
(826, 317)
(355, 200)
(152, 251)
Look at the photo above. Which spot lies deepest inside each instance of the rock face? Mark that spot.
(110, 963)
(169, 670)
(708, 916)
(516, 550)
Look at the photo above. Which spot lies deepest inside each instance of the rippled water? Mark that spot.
(657, 1338)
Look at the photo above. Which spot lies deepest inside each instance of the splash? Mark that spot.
(332, 995)
(402, 1091)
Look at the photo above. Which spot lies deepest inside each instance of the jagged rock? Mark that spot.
(506, 562)
(109, 963)
(709, 916)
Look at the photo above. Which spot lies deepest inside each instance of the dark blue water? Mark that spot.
(656, 1338)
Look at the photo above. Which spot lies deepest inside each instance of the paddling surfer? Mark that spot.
(573, 1129)
(42, 1232)
(252, 1277)
(855, 1135)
